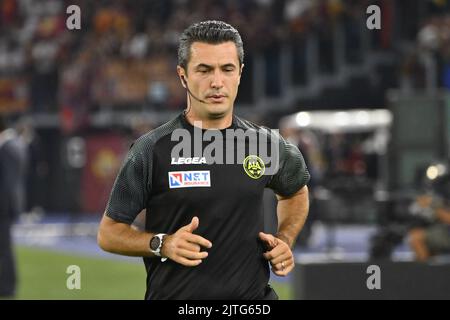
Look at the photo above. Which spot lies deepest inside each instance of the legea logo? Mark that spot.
(194, 160)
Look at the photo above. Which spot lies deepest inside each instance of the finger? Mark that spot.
(187, 262)
(286, 257)
(196, 239)
(191, 227)
(268, 239)
(276, 252)
(283, 273)
(190, 246)
(281, 266)
(191, 255)
(264, 236)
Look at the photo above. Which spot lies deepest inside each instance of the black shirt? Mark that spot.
(227, 199)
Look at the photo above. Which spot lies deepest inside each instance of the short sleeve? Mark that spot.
(132, 186)
(292, 174)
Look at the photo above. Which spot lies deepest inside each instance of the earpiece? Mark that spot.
(189, 91)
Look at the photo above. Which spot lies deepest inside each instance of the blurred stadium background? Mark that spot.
(368, 108)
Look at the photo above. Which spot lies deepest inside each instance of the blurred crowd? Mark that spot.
(427, 65)
(124, 56)
(125, 53)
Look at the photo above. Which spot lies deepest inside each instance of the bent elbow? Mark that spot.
(101, 240)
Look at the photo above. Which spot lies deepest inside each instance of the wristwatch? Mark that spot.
(156, 243)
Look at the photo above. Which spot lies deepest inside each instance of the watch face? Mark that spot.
(154, 243)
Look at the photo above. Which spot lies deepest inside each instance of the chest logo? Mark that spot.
(189, 179)
(254, 167)
(194, 160)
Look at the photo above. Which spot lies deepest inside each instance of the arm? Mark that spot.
(121, 238)
(289, 184)
(182, 247)
(292, 212)
(129, 196)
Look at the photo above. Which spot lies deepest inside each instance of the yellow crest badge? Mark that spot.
(254, 167)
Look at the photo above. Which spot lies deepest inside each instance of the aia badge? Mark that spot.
(254, 167)
(189, 179)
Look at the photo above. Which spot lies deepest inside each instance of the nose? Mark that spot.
(217, 81)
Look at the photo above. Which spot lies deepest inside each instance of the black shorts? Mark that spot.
(270, 293)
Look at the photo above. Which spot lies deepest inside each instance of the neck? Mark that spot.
(221, 122)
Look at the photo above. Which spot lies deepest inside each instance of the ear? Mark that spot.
(182, 75)
(240, 73)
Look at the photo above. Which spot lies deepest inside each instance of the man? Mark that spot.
(435, 238)
(12, 175)
(204, 220)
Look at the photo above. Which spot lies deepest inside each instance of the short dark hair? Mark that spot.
(211, 31)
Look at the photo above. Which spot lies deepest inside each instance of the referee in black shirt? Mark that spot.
(204, 213)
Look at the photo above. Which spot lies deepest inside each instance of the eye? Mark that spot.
(203, 71)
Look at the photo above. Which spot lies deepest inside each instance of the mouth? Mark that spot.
(216, 98)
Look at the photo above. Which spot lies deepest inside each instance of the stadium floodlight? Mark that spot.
(303, 119)
(362, 118)
(342, 118)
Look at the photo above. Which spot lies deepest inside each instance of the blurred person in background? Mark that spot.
(37, 173)
(12, 179)
(434, 237)
(206, 243)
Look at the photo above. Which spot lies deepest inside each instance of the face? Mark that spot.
(213, 75)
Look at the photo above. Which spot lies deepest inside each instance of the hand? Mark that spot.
(184, 247)
(279, 254)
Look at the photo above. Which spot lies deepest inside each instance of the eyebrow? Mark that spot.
(207, 66)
